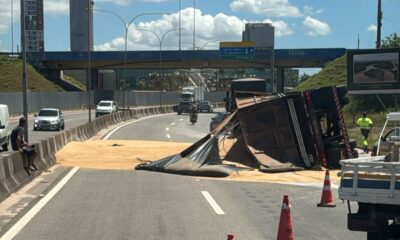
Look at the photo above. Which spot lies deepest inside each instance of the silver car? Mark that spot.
(49, 119)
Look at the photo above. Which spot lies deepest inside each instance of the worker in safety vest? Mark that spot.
(365, 124)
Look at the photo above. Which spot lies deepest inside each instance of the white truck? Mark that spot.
(374, 183)
(189, 96)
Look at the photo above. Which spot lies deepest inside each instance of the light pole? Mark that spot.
(24, 80)
(126, 27)
(160, 40)
(89, 46)
(180, 9)
(12, 28)
(194, 25)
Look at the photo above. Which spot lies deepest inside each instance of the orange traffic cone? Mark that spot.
(231, 237)
(285, 231)
(327, 196)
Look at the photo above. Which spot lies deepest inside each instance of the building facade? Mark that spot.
(261, 33)
(81, 25)
(34, 33)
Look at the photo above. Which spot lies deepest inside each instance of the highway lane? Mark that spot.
(72, 119)
(105, 204)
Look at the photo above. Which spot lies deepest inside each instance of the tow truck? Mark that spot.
(374, 184)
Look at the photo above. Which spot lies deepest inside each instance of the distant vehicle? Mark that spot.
(184, 107)
(217, 119)
(189, 95)
(5, 130)
(205, 106)
(106, 107)
(49, 119)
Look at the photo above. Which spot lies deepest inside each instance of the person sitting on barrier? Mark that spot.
(18, 143)
(365, 124)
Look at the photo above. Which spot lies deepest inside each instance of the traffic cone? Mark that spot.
(231, 237)
(285, 231)
(327, 196)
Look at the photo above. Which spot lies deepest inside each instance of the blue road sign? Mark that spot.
(237, 53)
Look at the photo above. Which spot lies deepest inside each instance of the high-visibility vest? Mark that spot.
(365, 123)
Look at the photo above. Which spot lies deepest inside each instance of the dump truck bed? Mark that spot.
(370, 180)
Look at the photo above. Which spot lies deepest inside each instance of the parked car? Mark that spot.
(5, 130)
(205, 106)
(392, 136)
(49, 119)
(217, 119)
(106, 107)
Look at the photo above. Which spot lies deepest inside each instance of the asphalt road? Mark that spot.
(109, 204)
(72, 119)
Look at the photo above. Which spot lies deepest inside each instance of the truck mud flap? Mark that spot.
(362, 223)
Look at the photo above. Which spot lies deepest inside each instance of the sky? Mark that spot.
(298, 23)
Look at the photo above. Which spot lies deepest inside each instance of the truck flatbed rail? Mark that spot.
(370, 180)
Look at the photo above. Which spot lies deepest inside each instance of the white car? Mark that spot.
(49, 119)
(106, 107)
(5, 130)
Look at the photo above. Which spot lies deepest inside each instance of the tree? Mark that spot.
(392, 41)
(304, 77)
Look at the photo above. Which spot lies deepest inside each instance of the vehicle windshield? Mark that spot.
(105, 104)
(48, 113)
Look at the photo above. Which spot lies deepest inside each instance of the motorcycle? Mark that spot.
(193, 117)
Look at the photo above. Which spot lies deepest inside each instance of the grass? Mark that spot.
(11, 77)
(333, 74)
(74, 82)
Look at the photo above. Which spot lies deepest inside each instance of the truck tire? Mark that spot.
(179, 112)
(5, 147)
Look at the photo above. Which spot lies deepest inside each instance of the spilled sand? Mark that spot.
(125, 155)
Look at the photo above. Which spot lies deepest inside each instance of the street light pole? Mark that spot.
(194, 25)
(89, 46)
(12, 28)
(160, 40)
(24, 79)
(126, 27)
(180, 9)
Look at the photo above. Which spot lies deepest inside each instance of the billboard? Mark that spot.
(373, 71)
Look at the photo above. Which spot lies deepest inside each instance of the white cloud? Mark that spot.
(209, 29)
(273, 8)
(5, 15)
(372, 28)
(308, 10)
(281, 28)
(315, 27)
(56, 7)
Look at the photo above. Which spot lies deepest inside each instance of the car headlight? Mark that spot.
(36, 121)
(54, 121)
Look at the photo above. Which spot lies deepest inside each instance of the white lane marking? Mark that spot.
(172, 124)
(17, 227)
(217, 209)
(130, 122)
(180, 120)
(167, 129)
(168, 136)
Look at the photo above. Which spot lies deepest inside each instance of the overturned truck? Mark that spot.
(275, 133)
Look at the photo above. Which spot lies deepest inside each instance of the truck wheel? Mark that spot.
(5, 147)
(179, 112)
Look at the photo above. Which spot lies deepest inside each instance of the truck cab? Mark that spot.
(5, 129)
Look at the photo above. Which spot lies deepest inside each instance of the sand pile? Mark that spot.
(124, 155)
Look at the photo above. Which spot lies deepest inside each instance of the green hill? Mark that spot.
(11, 77)
(334, 73)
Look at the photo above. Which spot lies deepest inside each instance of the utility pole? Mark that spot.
(358, 41)
(12, 28)
(180, 9)
(379, 26)
(89, 46)
(24, 80)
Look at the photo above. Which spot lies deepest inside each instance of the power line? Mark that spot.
(390, 20)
